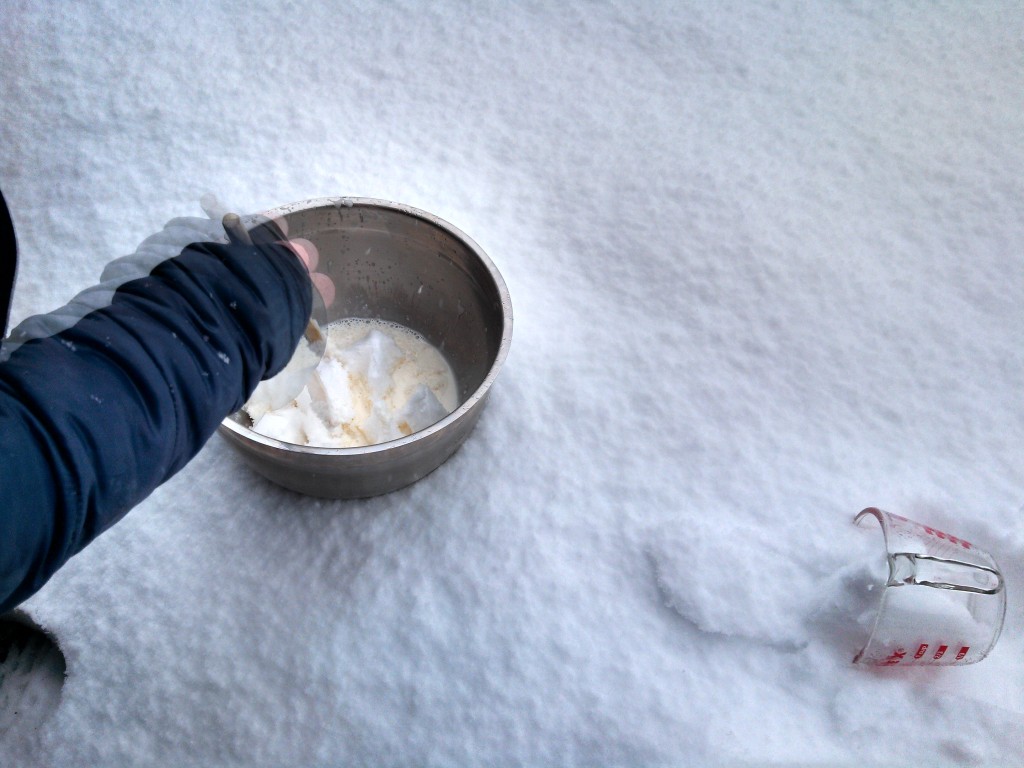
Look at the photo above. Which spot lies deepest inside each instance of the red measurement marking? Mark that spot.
(963, 652)
(941, 652)
(947, 537)
(921, 650)
(894, 658)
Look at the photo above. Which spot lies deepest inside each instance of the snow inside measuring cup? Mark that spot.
(859, 585)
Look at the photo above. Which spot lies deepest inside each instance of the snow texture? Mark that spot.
(766, 265)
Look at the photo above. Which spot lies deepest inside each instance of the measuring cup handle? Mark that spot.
(942, 573)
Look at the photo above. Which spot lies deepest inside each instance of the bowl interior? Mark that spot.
(393, 263)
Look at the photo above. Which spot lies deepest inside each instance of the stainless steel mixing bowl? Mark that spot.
(393, 262)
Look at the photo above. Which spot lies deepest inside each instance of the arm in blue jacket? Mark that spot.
(94, 417)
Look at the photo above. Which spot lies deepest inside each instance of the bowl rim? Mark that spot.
(248, 434)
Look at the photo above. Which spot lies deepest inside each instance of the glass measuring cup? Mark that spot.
(943, 602)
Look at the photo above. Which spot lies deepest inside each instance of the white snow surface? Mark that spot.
(766, 266)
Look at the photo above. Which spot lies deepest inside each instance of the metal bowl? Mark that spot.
(393, 262)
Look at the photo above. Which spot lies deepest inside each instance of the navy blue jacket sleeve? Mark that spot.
(8, 263)
(94, 418)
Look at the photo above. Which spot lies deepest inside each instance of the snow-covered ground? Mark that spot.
(766, 264)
